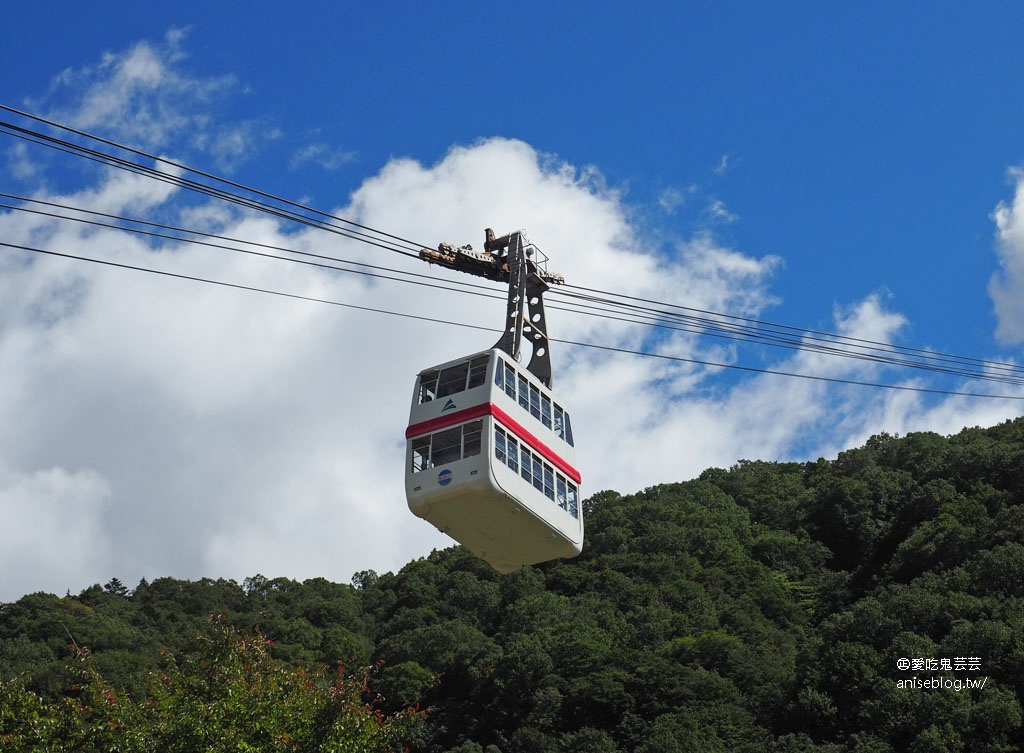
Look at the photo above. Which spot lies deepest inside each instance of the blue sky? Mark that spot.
(866, 144)
(843, 167)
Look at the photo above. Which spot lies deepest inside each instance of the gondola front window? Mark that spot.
(471, 438)
(477, 371)
(447, 446)
(428, 386)
(454, 379)
(420, 453)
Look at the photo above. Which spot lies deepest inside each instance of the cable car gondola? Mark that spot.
(490, 457)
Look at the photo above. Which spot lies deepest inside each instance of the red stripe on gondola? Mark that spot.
(446, 420)
(490, 409)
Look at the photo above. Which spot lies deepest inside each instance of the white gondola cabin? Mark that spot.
(490, 461)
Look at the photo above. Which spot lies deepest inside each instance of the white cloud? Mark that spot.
(53, 532)
(718, 214)
(19, 163)
(240, 433)
(322, 155)
(172, 428)
(1006, 288)
(142, 97)
(671, 199)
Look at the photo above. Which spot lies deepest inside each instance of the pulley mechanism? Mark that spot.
(512, 259)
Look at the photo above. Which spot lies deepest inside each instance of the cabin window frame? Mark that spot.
(523, 392)
(426, 448)
(451, 380)
(477, 372)
(535, 471)
(428, 385)
(532, 400)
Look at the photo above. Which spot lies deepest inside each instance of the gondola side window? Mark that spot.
(563, 429)
(505, 378)
(532, 400)
(566, 495)
(506, 449)
(524, 393)
(538, 470)
(535, 471)
(447, 446)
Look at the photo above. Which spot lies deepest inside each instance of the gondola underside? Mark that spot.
(496, 528)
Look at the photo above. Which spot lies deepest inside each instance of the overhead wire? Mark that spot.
(288, 210)
(709, 328)
(576, 299)
(658, 318)
(436, 320)
(812, 341)
(369, 270)
(226, 196)
(237, 286)
(804, 333)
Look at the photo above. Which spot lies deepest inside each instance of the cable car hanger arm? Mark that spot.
(512, 259)
(491, 262)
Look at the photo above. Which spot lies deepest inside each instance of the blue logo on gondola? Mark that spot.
(444, 477)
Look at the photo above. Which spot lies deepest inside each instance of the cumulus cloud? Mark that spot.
(1006, 288)
(142, 96)
(161, 427)
(240, 433)
(136, 94)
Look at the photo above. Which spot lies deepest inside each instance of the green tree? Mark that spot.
(229, 696)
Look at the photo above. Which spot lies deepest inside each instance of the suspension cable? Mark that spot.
(178, 166)
(750, 369)
(577, 299)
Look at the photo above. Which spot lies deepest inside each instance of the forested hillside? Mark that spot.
(845, 605)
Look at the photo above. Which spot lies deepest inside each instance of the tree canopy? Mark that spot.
(764, 607)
